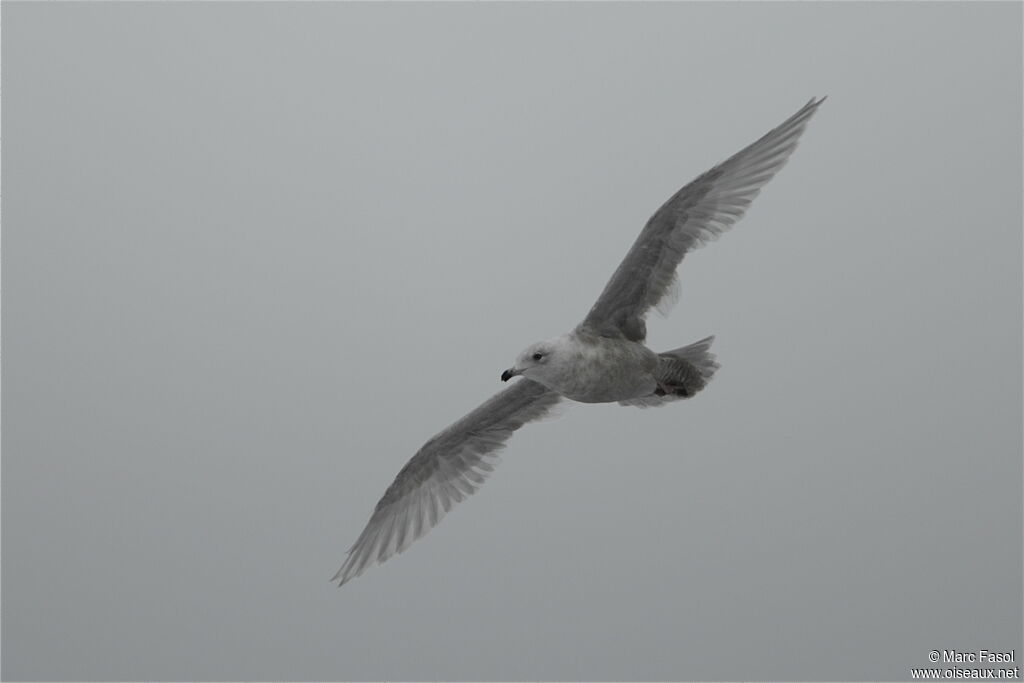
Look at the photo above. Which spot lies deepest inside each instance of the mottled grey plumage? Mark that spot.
(693, 216)
(602, 360)
(445, 470)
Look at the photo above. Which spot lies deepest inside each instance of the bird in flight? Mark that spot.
(601, 360)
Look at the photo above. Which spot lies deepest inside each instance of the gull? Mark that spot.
(601, 360)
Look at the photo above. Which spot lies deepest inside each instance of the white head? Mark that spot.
(539, 360)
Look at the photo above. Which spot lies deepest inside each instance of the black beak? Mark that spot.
(508, 374)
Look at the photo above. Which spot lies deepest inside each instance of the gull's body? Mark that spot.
(601, 360)
(589, 368)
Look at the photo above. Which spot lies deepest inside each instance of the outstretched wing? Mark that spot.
(696, 214)
(446, 469)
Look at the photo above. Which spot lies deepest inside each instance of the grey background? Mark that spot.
(255, 255)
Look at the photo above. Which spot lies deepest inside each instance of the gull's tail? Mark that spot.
(681, 373)
(689, 368)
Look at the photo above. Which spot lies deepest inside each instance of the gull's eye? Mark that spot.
(538, 356)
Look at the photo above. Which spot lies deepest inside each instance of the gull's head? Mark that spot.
(534, 361)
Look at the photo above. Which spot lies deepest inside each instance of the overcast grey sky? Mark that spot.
(256, 254)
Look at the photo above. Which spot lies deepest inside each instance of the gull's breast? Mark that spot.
(603, 370)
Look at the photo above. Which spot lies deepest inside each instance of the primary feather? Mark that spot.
(696, 214)
(443, 472)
